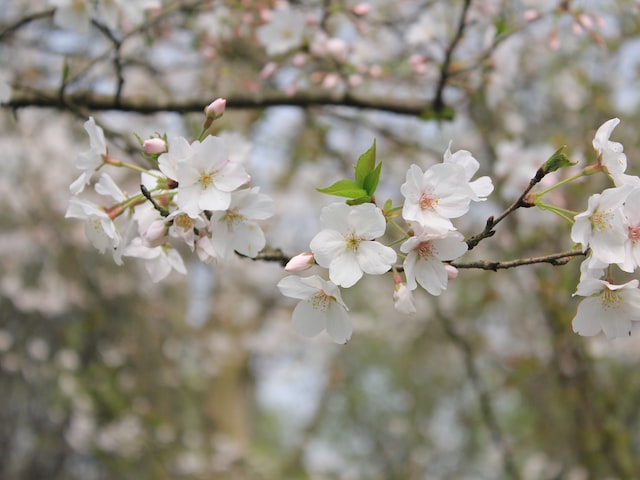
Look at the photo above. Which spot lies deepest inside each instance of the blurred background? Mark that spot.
(105, 374)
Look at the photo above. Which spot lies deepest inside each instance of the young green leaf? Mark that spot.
(366, 164)
(557, 161)
(372, 179)
(344, 188)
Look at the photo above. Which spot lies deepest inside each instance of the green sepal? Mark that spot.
(366, 164)
(557, 161)
(344, 188)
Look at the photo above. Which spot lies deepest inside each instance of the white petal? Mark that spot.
(375, 258)
(338, 323)
(344, 270)
(293, 286)
(587, 319)
(307, 320)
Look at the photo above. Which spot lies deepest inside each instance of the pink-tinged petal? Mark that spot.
(588, 317)
(293, 286)
(367, 221)
(327, 245)
(413, 186)
(338, 323)
(334, 217)
(307, 320)
(344, 270)
(375, 258)
(187, 200)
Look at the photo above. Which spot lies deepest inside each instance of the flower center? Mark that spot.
(206, 179)
(600, 220)
(183, 221)
(634, 234)
(353, 241)
(425, 250)
(610, 299)
(427, 202)
(321, 300)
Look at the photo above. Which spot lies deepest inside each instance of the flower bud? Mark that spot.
(216, 108)
(300, 262)
(156, 234)
(154, 146)
(452, 272)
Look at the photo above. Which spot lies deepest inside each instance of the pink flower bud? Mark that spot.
(361, 9)
(156, 234)
(300, 262)
(452, 272)
(216, 108)
(154, 146)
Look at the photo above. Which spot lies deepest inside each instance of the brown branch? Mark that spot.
(23, 97)
(438, 101)
(7, 30)
(555, 259)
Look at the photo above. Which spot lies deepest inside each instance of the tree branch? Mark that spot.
(23, 97)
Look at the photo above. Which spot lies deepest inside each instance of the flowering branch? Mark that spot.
(560, 258)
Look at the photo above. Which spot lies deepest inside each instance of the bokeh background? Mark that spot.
(105, 374)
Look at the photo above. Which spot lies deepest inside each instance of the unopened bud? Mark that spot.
(403, 299)
(154, 146)
(156, 234)
(361, 9)
(216, 108)
(452, 272)
(300, 262)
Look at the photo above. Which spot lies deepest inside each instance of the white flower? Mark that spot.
(73, 15)
(207, 178)
(403, 299)
(611, 154)
(159, 261)
(179, 151)
(610, 308)
(182, 226)
(236, 228)
(321, 307)
(284, 32)
(435, 196)
(425, 254)
(601, 227)
(99, 226)
(93, 158)
(345, 245)
(481, 187)
(632, 225)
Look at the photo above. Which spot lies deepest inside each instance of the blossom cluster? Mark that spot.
(348, 244)
(194, 195)
(610, 230)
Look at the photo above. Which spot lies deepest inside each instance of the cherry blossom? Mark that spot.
(99, 227)
(73, 15)
(320, 307)
(236, 228)
(601, 227)
(159, 261)
(403, 299)
(284, 32)
(425, 253)
(632, 225)
(611, 154)
(346, 245)
(481, 187)
(91, 159)
(435, 196)
(206, 180)
(607, 307)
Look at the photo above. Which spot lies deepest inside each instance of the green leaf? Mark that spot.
(372, 179)
(359, 200)
(366, 164)
(344, 188)
(557, 161)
